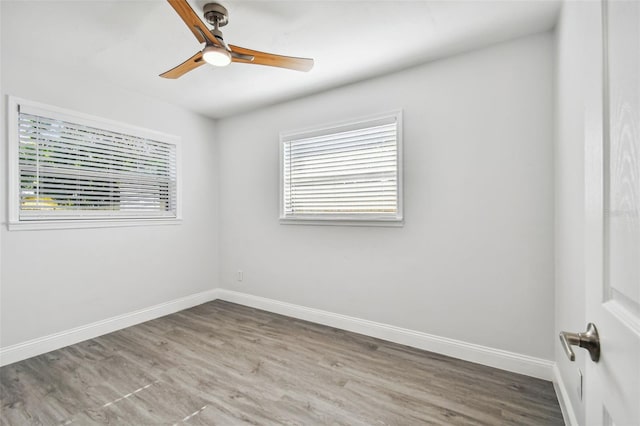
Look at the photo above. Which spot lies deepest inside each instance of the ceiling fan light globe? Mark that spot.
(216, 56)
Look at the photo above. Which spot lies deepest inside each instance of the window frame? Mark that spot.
(346, 219)
(13, 170)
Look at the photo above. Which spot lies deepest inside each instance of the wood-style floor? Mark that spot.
(225, 364)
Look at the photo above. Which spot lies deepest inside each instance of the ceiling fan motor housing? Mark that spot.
(216, 14)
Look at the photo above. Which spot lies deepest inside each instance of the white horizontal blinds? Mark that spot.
(70, 170)
(352, 172)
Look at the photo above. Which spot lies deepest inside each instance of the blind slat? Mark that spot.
(354, 171)
(83, 170)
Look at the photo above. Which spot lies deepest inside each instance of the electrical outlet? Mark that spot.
(240, 275)
(580, 384)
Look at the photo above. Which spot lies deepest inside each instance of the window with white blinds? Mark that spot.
(71, 167)
(345, 173)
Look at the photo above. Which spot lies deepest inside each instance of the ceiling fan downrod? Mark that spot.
(218, 16)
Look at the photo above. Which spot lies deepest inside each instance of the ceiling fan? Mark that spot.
(216, 51)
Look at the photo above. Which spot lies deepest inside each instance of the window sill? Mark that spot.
(393, 223)
(87, 223)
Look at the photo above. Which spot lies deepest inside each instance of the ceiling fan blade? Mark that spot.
(263, 58)
(190, 64)
(195, 24)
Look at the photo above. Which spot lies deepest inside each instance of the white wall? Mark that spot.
(577, 86)
(474, 261)
(54, 280)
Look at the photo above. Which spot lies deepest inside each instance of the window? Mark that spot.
(71, 170)
(350, 173)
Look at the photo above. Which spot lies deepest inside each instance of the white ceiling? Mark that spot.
(129, 43)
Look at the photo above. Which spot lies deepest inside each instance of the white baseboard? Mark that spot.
(497, 358)
(24, 350)
(566, 407)
(505, 360)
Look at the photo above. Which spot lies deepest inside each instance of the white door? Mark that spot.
(612, 171)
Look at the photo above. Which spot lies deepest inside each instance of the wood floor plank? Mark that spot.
(221, 363)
